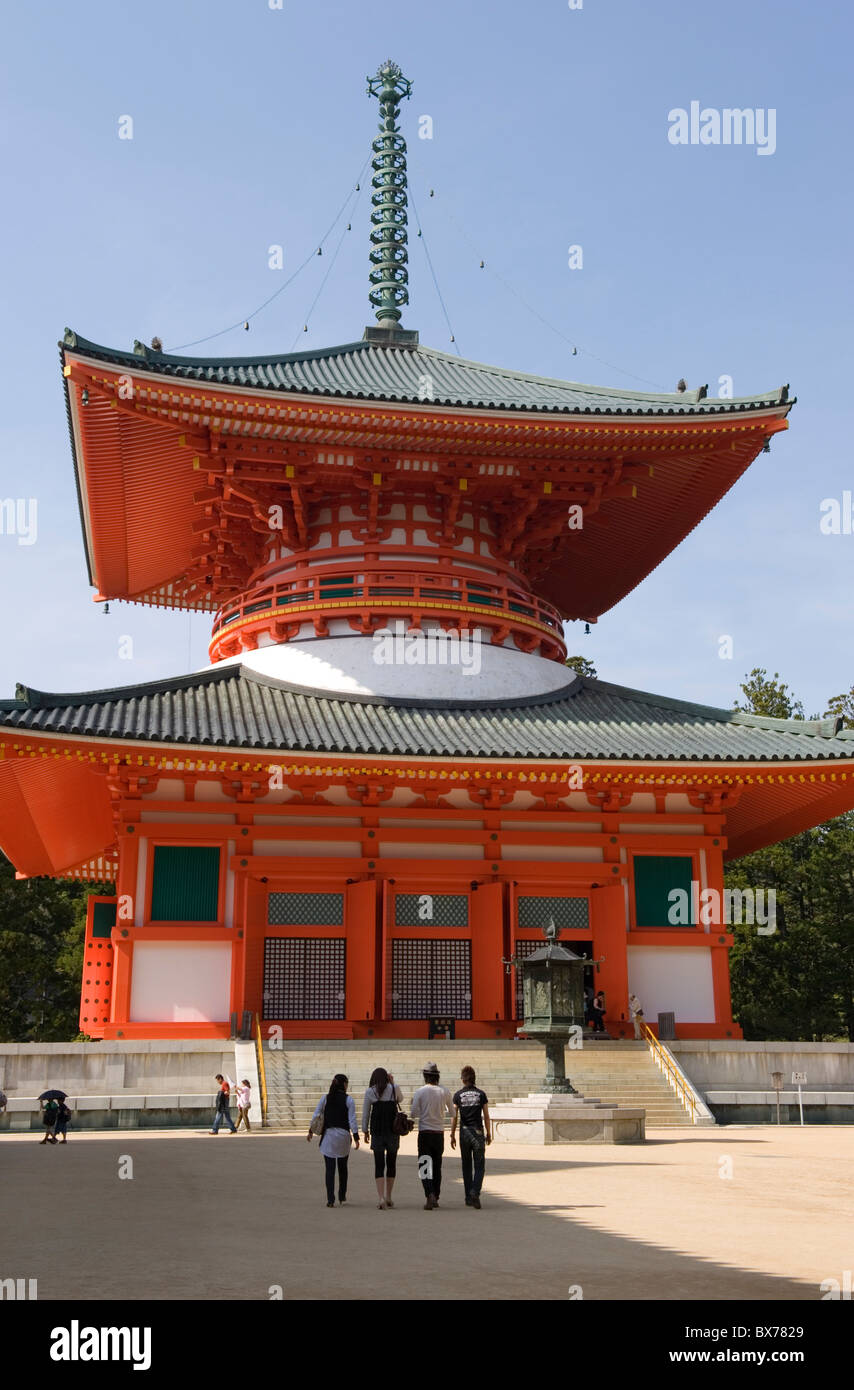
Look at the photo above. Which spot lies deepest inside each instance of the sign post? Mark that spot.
(777, 1083)
(799, 1078)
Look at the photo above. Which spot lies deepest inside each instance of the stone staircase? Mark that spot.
(621, 1072)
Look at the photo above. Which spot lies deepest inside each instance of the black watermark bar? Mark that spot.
(148, 1338)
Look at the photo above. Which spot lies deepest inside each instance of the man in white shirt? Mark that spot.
(429, 1105)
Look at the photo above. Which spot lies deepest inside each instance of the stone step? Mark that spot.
(620, 1073)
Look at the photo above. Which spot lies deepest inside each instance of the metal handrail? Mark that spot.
(660, 1055)
(261, 1072)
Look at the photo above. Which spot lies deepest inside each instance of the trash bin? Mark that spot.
(666, 1027)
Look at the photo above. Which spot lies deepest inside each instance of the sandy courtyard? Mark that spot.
(231, 1218)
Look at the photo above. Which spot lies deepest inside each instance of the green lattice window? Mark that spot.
(185, 884)
(431, 910)
(103, 920)
(565, 912)
(305, 910)
(656, 875)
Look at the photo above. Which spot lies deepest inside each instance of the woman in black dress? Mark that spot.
(378, 1111)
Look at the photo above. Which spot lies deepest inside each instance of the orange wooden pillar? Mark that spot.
(360, 928)
(127, 914)
(608, 921)
(724, 1025)
(98, 959)
(488, 988)
(240, 946)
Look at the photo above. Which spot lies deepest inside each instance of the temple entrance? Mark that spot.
(430, 977)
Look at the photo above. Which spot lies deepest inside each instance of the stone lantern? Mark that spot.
(553, 1002)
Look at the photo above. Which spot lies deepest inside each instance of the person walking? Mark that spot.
(223, 1101)
(339, 1122)
(429, 1104)
(49, 1103)
(637, 1014)
(597, 1010)
(588, 1004)
(471, 1107)
(244, 1100)
(50, 1110)
(61, 1123)
(379, 1108)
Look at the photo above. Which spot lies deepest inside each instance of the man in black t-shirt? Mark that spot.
(472, 1111)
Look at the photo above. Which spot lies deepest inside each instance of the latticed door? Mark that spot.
(431, 978)
(304, 977)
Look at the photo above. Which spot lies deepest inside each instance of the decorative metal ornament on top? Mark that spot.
(389, 257)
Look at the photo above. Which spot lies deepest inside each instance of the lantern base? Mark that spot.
(550, 1118)
(556, 1080)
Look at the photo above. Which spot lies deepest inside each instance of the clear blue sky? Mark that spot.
(550, 128)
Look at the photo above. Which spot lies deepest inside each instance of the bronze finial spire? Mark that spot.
(390, 276)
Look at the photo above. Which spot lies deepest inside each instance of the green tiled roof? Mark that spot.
(407, 372)
(233, 707)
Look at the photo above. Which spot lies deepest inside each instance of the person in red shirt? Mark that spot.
(223, 1101)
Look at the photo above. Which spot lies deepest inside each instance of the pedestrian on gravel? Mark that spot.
(379, 1108)
(223, 1102)
(244, 1100)
(471, 1107)
(337, 1111)
(429, 1105)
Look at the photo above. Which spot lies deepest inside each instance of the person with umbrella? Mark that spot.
(53, 1104)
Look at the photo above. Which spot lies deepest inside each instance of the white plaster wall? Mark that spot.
(662, 827)
(673, 979)
(209, 791)
(579, 853)
(167, 789)
(399, 823)
(180, 982)
(570, 826)
(311, 848)
(285, 821)
(417, 850)
(141, 865)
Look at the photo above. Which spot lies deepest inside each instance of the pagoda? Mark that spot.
(387, 779)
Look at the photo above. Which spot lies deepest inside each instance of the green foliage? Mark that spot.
(842, 705)
(768, 696)
(582, 666)
(42, 925)
(798, 983)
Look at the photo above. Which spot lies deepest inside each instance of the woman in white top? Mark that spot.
(244, 1100)
(378, 1111)
(339, 1122)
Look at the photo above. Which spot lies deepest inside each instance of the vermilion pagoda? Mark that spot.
(345, 832)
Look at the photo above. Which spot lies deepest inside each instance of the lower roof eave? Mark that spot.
(825, 766)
